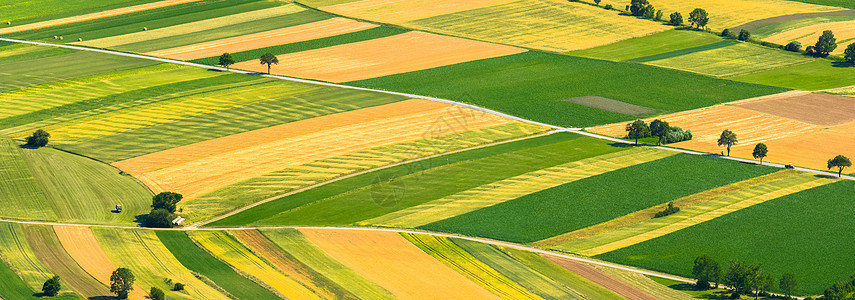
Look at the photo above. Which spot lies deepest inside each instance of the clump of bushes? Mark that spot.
(609, 7)
(728, 34)
(676, 134)
(744, 35)
(793, 46)
(670, 210)
(178, 286)
(156, 294)
(163, 208)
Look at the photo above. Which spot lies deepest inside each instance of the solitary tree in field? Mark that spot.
(676, 19)
(699, 18)
(226, 60)
(840, 162)
(826, 43)
(38, 139)
(760, 152)
(122, 282)
(706, 270)
(849, 53)
(51, 286)
(727, 138)
(659, 129)
(637, 130)
(789, 285)
(269, 59)
(166, 200)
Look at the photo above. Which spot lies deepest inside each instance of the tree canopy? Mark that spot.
(760, 152)
(269, 59)
(166, 200)
(51, 286)
(636, 7)
(789, 285)
(840, 162)
(849, 53)
(727, 138)
(637, 130)
(699, 18)
(40, 138)
(744, 35)
(706, 270)
(159, 218)
(660, 129)
(676, 19)
(826, 43)
(226, 60)
(122, 282)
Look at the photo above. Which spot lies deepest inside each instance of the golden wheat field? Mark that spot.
(396, 11)
(299, 33)
(808, 35)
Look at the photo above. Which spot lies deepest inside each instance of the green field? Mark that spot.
(30, 11)
(294, 243)
(560, 275)
(25, 199)
(794, 233)
(378, 193)
(135, 22)
(534, 85)
(840, 3)
(662, 42)
(736, 59)
(11, 286)
(353, 37)
(767, 30)
(200, 261)
(49, 250)
(597, 199)
(817, 75)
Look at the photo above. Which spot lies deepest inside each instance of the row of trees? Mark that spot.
(741, 278)
(226, 60)
(642, 8)
(658, 128)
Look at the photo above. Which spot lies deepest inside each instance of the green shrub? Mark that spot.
(728, 34)
(157, 294)
(676, 134)
(744, 35)
(178, 286)
(158, 218)
(793, 46)
(670, 210)
(676, 19)
(51, 286)
(609, 7)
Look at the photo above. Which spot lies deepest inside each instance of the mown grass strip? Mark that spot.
(297, 245)
(662, 42)
(458, 259)
(24, 197)
(681, 52)
(794, 233)
(511, 188)
(597, 199)
(384, 195)
(347, 38)
(17, 253)
(197, 260)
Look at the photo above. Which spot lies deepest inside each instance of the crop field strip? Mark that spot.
(149, 19)
(372, 195)
(25, 199)
(715, 207)
(527, 85)
(231, 251)
(735, 59)
(200, 261)
(464, 263)
(540, 24)
(151, 262)
(23, 273)
(406, 52)
(599, 277)
(81, 245)
(290, 179)
(817, 75)
(290, 266)
(208, 29)
(723, 15)
(642, 284)
(657, 43)
(773, 26)
(821, 228)
(512, 188)
(24, 12)
(392, 262)
(297, 245)
(398, 11)
(49, 250)
(548, 213)
(844, 31)
(96, 15)
(287, 35)
(574, 282)
(204, 167)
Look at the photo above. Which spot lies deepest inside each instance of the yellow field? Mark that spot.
(808, 35)
(199, 168)
(221, 245)
(153, 34)
(389, 260)
(732, 13)
(92, 16)
(396, 11)
(80, 243)
(411, 51)
(728, 202)
(299, 33)
(514, 187)
(554, 25)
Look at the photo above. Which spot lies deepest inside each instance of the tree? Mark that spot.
(226, 60)
(636, 7)
(840, 162)
(699, 18)
(659, 129)
(122, 282)
(166, 200)
(793, 46)
(849, 53)
(760, 152)
(269, 59)
(51, 286)
(706, 270)
(597, 2)
(838, 291)
(38, 139)
(676, 19)
(157, 294)
(739, 277)
(728, 34)
(744, 35)
(637, 130)
(763, 282)
(659, 15)
(810, 50)
(727, 138)
(648, 12)
(159, 218)
(178, 286)
(789, 284)
(826, 43)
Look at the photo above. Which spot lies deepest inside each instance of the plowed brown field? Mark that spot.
(813, 108)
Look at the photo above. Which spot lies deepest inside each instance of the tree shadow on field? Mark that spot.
(215, 70)
(625, 145)
(708, 294)
(825, 176)
(842, 64)
(140, 219)
(102, 298)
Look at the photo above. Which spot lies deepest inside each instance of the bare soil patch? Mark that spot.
(813, 108)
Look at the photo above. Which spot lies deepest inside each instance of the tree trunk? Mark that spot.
(728, 150)
(660, 142)
(268, 69)
(839, 172)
